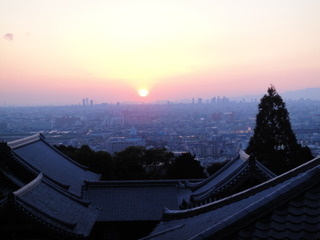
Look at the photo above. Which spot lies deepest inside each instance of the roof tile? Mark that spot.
(35, 151)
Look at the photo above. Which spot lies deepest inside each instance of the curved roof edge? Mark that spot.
(223, 184)
(29, 186)
(53, 184)
(222, 229)
(243, 155)
(24, 141)
(28, 167)
(178, 214)
(195, 186)
(40, 137)
(59, 225)
(265, 170)
(25, 205)
(242, 171)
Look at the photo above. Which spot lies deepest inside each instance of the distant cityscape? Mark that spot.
(212, 130)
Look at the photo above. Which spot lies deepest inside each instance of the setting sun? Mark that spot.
(143, 92)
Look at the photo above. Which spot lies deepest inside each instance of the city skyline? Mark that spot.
(57, 52)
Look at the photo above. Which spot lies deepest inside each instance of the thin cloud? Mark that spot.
(8, 36)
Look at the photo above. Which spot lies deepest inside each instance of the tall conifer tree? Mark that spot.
(273, 142)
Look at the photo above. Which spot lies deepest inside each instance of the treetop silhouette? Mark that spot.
(274, 142)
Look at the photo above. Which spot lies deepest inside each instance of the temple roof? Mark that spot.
(37, 153)
(218, 184)
(132, 200)
(283, 207)
(54, 208)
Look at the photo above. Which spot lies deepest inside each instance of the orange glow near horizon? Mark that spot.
(58, 52)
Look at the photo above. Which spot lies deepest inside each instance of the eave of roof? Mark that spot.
(222, 171)
(25, 141)
(249, 168)
(231, 212)
(62, 211)
(35, 154)
(175, 214)
(40, 137)
(282, 194)
(237, 169)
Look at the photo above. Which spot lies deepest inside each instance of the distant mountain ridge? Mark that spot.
(307, 93)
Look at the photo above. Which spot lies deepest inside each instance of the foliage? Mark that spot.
(156, 162)
(136, 163)
(185, 167)
(214, 167)
(273, 142)
(99, 162)
(128, 164)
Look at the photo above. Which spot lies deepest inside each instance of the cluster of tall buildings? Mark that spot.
(87, 102)
(214, 100)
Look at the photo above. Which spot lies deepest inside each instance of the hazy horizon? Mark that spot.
(59, 52)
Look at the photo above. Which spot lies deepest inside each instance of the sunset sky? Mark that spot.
(61, 51)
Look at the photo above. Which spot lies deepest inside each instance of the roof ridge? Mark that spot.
(243, 155)
(16, 198)
(86, 168)
(307, 180)
(40, 137)
(23, 203)
(52, 184)
(25, 141)
(26, 188)
(177, 214)
(195, 186)
(67, 158)
(202, 195)
(266, 170)
(239, 173)
(28, 167)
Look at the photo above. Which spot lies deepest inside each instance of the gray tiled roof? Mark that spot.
(54, 208)
(280, 208)
(132, 200)
(221, 175)
(35, 151)
(299, 215)
(228, 176)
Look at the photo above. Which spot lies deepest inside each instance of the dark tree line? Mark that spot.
(136, 163)
(273, 143)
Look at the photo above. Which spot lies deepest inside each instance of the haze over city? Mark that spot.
(58, 52)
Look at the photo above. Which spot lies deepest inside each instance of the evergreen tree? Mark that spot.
(273, 142)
